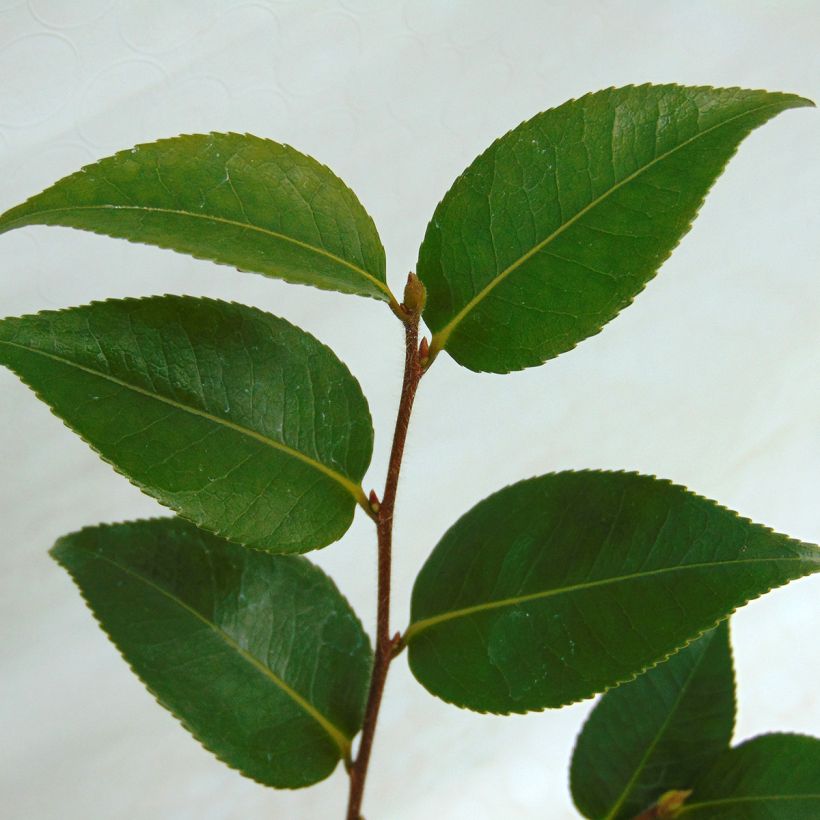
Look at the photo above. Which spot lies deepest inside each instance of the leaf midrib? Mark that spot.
(755, 798)
(336, 735)
(27, 219)
(627, 790)
(355, 490)
(440, 338)
(425, 623)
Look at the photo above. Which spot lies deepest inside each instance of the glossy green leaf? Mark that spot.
(239, 421)
(259, 656)
(771, 777)
(562, 586)
(232, 198)
(560, 223)
(656, 733)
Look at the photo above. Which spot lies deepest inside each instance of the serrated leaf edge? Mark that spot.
(437, 343)
(356, 491)
(184, 723)
(695, 805)
(666, 656)
(379, 284)
(625, 793)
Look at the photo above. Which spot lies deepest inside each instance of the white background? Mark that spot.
(711, 379)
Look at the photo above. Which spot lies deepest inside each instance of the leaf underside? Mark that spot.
(656, 733)
(234, 199)
(560, 223)
(235, 419)
(559, 587)
(259, 656)
(771, 777)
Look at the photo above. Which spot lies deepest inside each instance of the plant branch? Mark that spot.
(387, 644)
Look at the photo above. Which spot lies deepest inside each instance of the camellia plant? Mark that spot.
(258, 437)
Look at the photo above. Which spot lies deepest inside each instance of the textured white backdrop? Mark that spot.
(712, 378)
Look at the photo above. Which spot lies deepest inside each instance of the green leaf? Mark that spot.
(237, 420)
(562, 586)
(560, 223)
(259, 656)
(656, 733)
(232, 198)
(771, 777)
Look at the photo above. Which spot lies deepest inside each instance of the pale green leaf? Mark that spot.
(235, 199)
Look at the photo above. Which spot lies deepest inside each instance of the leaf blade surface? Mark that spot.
(656, 733)
(235, 419)
(770, 777)
(234, 199)
(258, 656)
(560, 223)
(559, 587)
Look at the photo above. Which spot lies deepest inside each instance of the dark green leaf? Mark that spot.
(231, 198)
(656, 733)
(562, 586)
(560, 223)
(771, 777)
(259, 656)
(234, 418)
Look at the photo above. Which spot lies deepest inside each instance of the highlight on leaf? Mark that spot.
(234, 418)
(562, 586)
(258, 656)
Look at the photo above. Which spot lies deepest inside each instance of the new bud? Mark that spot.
(373, 500)
(415, 295)
(671, 803)
(424, 350)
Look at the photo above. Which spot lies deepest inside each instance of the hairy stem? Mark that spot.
(386, 644)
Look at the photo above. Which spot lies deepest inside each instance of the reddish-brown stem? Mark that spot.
(386, 644)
